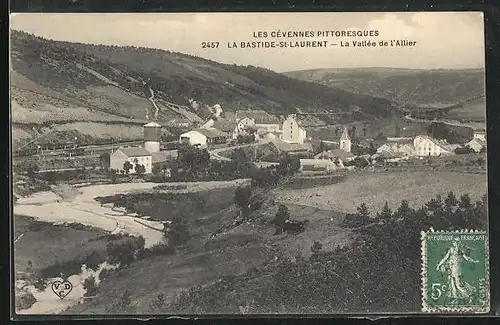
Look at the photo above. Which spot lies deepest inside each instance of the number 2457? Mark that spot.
(209, 45)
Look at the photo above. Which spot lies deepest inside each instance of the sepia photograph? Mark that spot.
(248, 163)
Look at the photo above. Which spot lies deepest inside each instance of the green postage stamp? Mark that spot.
(455, 272)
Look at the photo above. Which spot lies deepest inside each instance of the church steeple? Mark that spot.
(345, 141)
(345, 135)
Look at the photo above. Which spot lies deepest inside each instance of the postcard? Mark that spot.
(249, 163)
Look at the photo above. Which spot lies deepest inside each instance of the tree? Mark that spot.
(242, 198)
(372, 149)
(112, 174)
(177, 232)
(316, 247)
(140, 169)
(127, 166)
(386, 212)
(90, 286)
(51, 177)
(281, 216)
(403, 210)
(321, 147)
(450, 202)
(32, 170)
(158, 304)
(363, 212)
(105, 160)
(121, 253)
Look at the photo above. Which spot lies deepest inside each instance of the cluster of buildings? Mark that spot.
(146, 155)
(257, 123)
(424, 146)
(394, 149)
(288, 136)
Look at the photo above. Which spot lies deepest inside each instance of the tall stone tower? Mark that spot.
(345, 141)
(152, 137)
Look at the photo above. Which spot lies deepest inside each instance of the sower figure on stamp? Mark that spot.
(451, 265)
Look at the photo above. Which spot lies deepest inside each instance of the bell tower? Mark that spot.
(345, 141)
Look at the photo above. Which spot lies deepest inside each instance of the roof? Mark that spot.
(210, 132)
(291, 147)
(260, 117)
(345, 135)
(135, 151)
(400, 141)
(441, 143)
(335, 153)
(163, 156)
(152, 124)
(481, 142)
(226, 125)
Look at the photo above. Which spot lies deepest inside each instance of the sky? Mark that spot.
(444, 40)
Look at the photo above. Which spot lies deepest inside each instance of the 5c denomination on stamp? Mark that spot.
(455, 272)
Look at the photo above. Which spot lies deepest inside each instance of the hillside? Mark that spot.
(403, 86)
(56, 84)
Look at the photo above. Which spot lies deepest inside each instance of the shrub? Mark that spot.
(121, 253)
(93, 260)
(282, 216)
(156, 250)
(25, 301)
(158, 304)
(90, 286)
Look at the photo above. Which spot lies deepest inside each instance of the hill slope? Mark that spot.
(58, 83)
(403, 86)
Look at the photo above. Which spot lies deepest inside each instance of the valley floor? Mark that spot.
(253, 244)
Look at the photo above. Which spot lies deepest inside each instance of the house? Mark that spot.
(134, 155)
(292, 132)
(163, 156)
(397, 147)
(181, 123)
(477, 144)
(261, 119)
(335, 154)
(345, 141)
(317, 165)
(426, 146)
(266, 134)
(227, 126)
(203, 137)
(481, 135)
(292, 148)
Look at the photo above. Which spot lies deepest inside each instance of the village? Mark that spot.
(257, 128)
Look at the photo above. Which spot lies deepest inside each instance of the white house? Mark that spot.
(317, 164)
(427, 146)
(476, 144)
(400, 148)
(345, 141)
(292, 132)
(202, 137)
(242, 126)
(261, 119)
(134, 155)
(481, 135)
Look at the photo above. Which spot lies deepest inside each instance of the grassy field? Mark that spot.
(203, 261)
(375, 188)
(45, 244)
